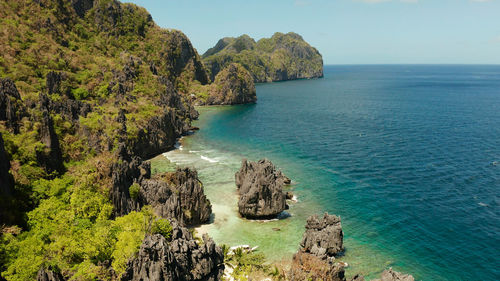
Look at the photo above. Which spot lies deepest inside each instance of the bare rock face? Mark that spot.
(82, 6)
(260, 186)
(323, 238)
(11, 107)
(183, 258)
(322, 241)
(178, 195)
(49, 275)
(51, 156)
(391, 275)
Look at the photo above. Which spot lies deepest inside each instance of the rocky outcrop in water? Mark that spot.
(232, 85)
(11, 106)
(260, 186)
(322, 241)
(323, 238)
(182, 258)
(391, 275)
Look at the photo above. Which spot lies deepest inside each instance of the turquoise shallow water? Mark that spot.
(408, 156)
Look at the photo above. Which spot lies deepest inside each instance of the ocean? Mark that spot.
(407, 155)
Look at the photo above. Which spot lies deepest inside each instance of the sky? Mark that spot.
(348, 31)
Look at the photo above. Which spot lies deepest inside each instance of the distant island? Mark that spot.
(279, 58)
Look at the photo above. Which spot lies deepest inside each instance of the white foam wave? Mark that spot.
(208, 159)
(483, 204)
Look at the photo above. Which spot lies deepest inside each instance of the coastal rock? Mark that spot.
(260, 186)
(322, 241)
(233, 85)
(11, 105)
(391, 275)
(159, 135)
(183, 258)
(281, 57)
(323, 238)
(178, 195)
(49, 275)
(310, 267)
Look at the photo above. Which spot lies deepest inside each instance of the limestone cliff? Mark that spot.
(279, 58)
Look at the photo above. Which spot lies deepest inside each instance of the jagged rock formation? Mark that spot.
(391, 275)
(51, 156)
(260, 186)
(323, 238)
(233, 85)
(49, 275)
(178, 195)
(322, 241)
(11, 107)
(182, 258)
(281, 57)
(125, 172)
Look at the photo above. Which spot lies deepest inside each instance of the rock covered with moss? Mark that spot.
(279, 58)
(180, 257)
(232, 85)
(260, 186)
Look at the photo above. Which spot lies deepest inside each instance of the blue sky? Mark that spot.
(348, 31)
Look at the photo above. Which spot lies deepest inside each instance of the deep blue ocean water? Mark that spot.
(408, 155)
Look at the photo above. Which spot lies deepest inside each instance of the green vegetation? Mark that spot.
(133, 190)
(281, 57)
(249, 265)
(112, 57)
